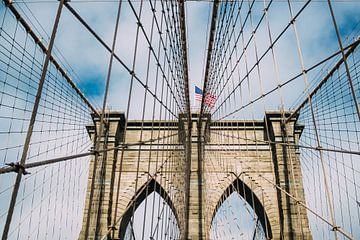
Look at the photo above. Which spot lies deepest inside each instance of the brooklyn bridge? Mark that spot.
(188, 119)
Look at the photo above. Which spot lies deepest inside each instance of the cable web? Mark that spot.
(58, 131)
(261, 62)
(97, 140)
(136, 172)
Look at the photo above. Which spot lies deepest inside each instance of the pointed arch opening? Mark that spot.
(239, 213)
(151, 215)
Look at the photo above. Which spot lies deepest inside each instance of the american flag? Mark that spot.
(198, 94)
(210, 99)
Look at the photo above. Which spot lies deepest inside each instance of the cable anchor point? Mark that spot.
(17, 167)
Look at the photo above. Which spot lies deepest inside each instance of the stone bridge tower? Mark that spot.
(252, 158)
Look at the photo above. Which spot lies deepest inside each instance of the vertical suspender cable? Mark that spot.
(101, 127)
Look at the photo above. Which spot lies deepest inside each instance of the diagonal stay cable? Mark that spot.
(15, 167)
(154, 54)
(29, 133)
(243, 53)
(287, 82)
(189, 126)
(84, 23)
(174, 38)
(296, 200)
(290, 144)
(152, 176)
(224, 37)
(38, 41)
(208, 58)
(327, 77)
(264, 54)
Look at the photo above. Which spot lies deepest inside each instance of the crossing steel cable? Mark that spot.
(332, 132)
(31, 126)
(153, 174)
(268, 49)
(37, 40)
(252, 101)
(62, 95)
(216, 156)
(127, 68)
(326, 127)
(35, 23)
(152, 132)
(247, 166)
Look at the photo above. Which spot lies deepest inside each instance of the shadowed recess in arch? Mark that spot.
(151, 215)
(240, 213)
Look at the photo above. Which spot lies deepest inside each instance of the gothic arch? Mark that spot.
(153, 186)
(250, 197)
